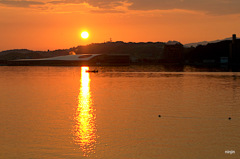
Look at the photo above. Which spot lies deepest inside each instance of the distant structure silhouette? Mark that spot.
(173, 52)
(234, 56)
(234, 37)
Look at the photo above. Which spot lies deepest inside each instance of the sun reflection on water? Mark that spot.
(85, 128)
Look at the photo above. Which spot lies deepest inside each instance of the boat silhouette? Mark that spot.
(92, 71)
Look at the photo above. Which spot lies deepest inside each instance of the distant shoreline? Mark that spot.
(224, 54)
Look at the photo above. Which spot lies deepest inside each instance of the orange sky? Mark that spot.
(45, 24)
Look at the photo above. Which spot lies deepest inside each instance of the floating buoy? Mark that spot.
(229, 118)
(159, 116)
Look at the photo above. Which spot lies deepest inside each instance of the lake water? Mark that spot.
(64, 112)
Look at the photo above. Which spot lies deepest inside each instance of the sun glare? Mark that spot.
(85, 128)
(84, 35)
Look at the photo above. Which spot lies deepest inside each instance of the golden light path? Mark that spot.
(85, 129)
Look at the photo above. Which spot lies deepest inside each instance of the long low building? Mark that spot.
(75, 60)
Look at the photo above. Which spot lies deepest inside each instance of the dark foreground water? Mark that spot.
(64, 112)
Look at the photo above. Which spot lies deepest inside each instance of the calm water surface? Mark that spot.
(64, 112)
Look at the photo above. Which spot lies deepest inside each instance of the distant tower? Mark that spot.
(110, 40)
(233, 49)
(234, 38)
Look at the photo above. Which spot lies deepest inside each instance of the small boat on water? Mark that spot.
(92, 71)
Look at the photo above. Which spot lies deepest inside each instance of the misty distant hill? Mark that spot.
(205, 42)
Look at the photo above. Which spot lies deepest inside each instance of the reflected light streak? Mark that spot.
(85, 129)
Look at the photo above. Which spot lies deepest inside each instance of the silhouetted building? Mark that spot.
(113, 59)
(234, 55)
(173, 53)
(224, 60)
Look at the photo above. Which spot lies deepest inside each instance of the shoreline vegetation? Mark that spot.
(223, 53)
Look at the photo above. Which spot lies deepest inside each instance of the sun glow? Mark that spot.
(84, 34)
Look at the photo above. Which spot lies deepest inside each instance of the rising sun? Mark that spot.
(84, 34)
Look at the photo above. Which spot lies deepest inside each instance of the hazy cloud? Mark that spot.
(110, 4)
(219, 7)
(20, 3)
(209, 6)
(106, 6)
(106, 11)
